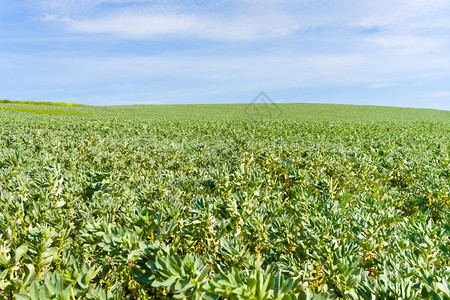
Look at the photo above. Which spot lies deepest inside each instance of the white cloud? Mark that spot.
(406, 44)
(232, 72)
(400, 26)
(240, 20)
(381, 85)
(148, 25)
(404, 15)
(137, 25)
(436, 94)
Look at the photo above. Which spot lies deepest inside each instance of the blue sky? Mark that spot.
(165, 52)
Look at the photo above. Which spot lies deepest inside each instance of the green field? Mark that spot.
(315, 201)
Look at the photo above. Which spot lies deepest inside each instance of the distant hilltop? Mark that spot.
(40, 103)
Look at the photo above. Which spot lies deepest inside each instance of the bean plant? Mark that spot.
(122, 206)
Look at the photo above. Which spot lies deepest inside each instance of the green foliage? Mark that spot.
(40, 103)
(42, 111)
(132, 205)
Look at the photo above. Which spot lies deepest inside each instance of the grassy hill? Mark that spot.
(292, 111)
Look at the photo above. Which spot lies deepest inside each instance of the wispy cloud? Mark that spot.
(148, 25)
(402, 26)
(227, 72)
(436, 94)
(406, 44)
(402, 16)
(242, 20)
(381, 85)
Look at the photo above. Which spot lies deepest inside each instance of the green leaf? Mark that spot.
(203, 274)
(4, 262)
(167, 283)
(60, 203)
(22, 296)
(19, 252)
(30, 274)
(34, 291)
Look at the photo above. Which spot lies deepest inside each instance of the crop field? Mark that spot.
(224, 202)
